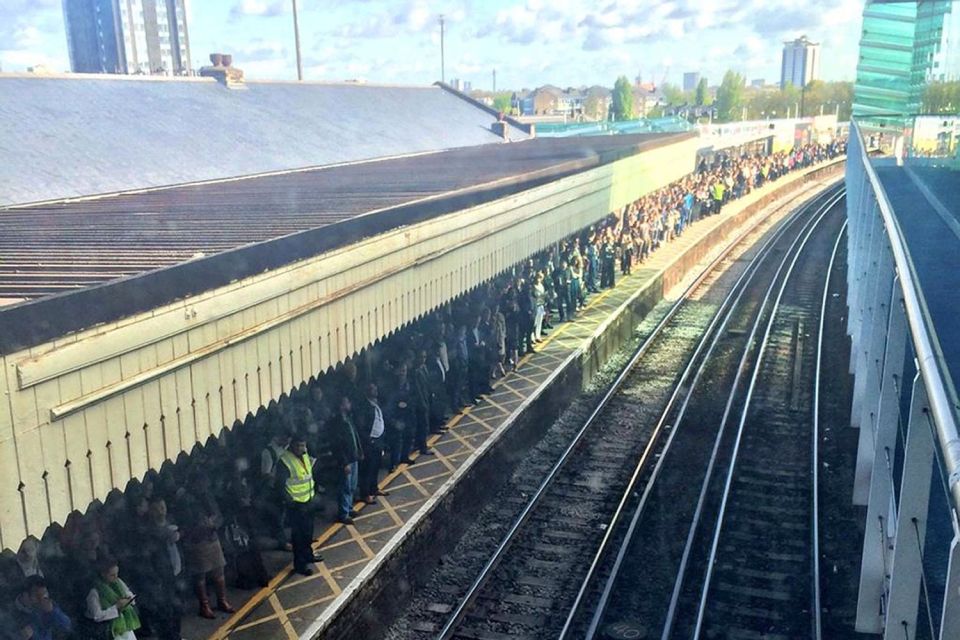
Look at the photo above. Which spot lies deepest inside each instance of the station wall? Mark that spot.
(87, 412)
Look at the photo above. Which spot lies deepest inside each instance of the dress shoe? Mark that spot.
(427, 452)
(304, 571)
(408, 460)
(345, 520)
(354, 513)
(317, 557)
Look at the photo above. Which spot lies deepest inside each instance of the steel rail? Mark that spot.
(728, 483)
(473, 592)
(704, 488)
(926, 346)
(815, 444)
(727, 309)
(611, 579)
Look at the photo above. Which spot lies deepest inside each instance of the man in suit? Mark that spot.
(437, 377)
(421, 385)
(372, 429)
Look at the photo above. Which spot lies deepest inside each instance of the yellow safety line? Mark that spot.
(312, 603)
(328, 578)
(416, 484)
(247, 625)
(282, 616)
(496, 404)
(443, 459)
(483, 421)
(391, 511)
(359, 539)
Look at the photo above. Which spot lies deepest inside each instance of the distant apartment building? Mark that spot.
(584, 103)
(690, 80)
(464, 86)
(127, 36)
(801, 62)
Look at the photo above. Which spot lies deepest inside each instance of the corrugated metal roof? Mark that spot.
(63, 249)
(68, 136)
(47, 249)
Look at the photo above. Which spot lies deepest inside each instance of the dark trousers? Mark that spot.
(406, 437)
(606, 274)
(526, 331)
(455, 382)
(370, 466)
(423, 427)
(163, 617)
(394, 451)
(300, 519)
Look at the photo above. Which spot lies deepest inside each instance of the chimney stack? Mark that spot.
(223, 71)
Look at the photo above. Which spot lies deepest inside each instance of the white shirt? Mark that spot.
(443, 369)
(444, 357)
(377, 430)
(98, 614)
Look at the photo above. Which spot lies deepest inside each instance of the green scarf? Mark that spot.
(128, 620)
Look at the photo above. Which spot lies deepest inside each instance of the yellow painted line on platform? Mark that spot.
(416, 483)
(496, 404)
(361, 542)
(391, 511)
(313, 603)
(328, 578)
(282, 617)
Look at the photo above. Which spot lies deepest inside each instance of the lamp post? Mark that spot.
(443, 76)
(296, 40)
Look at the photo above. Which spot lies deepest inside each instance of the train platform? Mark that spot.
(926, 201)
(293, 606)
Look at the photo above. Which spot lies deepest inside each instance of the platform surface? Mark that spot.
(926, 201)
(292, 603)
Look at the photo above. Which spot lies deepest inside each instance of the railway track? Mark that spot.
(529, 583)
(722, 543)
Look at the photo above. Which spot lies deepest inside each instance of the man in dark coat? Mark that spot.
(347, 453)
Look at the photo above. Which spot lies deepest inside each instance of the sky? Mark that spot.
(528, 42)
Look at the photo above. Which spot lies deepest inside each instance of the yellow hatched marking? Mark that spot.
(391, 511)
(359, 539)
(282, 617)
(416, 483)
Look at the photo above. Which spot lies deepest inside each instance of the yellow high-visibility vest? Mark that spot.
(300, 481)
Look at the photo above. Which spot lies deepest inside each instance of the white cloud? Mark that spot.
(260, 8)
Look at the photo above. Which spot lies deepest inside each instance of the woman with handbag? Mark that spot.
(110, 604)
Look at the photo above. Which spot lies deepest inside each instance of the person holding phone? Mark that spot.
(110, 603)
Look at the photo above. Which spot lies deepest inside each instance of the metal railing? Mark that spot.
(908, 462)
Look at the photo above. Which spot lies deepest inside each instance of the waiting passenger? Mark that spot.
(296, 477)
(36, 608)
(347, 452)
(110, 604)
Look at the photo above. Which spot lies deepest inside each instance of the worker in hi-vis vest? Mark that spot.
(295, 473)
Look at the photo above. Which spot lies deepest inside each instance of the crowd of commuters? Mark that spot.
(131, 565)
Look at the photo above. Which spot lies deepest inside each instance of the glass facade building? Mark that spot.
(903, 46)
(127, 36)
